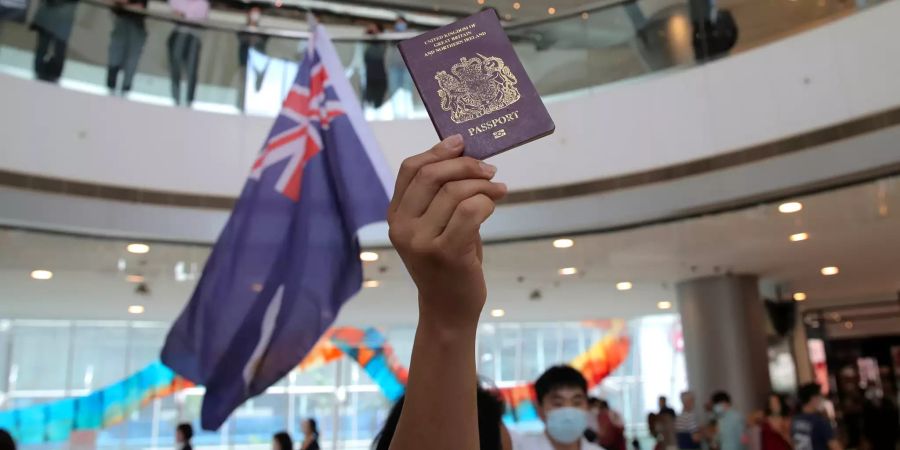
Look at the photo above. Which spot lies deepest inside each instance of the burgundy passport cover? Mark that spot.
(472, 83)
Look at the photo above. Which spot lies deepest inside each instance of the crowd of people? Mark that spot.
(379, 65)
(803, 424)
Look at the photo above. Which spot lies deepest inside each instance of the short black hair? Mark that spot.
(721, 397)
(490, 417)
(284, 440)
(6, 440)
(556, 377)
(593, 401)
(186, 430)
(807, 392)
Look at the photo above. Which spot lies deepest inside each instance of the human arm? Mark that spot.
(439, 204)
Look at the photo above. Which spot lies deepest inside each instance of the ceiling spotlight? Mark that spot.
(848, 325)
(371, 283)
(830, 270)
(797, 237)
(790, 207)
(623, 285)
(136, 309)
(563, 243)
(139, 249)
(799, 296)
(498, 313)
(568, 271)
(516, 6)
(134, 278)
(41, 274)
(585, 16)
(368, 256)
(664, 304)
(551, 10)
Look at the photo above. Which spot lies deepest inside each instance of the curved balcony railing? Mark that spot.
(239, 69)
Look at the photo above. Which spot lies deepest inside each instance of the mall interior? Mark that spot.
(718, 209)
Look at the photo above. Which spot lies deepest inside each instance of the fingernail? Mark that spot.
(487, 168)
(454, 141)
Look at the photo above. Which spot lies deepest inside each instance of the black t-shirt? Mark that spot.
(811, 432)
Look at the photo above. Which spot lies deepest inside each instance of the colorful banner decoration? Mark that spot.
(597, 363)
(55, 421)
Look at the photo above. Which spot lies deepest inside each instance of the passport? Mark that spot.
(473, 83)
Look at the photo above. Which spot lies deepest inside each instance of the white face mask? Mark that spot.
(255, 16)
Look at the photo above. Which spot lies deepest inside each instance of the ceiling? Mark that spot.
(854, 228)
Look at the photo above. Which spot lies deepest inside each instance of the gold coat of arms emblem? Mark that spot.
(475, 87)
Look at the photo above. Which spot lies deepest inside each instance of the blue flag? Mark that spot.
(288, 258)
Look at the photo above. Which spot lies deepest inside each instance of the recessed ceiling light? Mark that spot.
(563, 243)
(138, 248)
(368, 256)
(790, 207)
(799, 296)
(498, 313)
(830, 270)
(136, 309)
(134, 278)
(848, 325)
(568, 271)
(256, 287)
(551, 10)
(517, 5)
(585, 16)
(41, 274)
(623, 285)
(797, 237)
(665, 304)
(371, 283)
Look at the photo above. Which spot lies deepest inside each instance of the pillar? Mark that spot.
(724, 328)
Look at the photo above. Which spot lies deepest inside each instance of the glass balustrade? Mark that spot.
(241, 70)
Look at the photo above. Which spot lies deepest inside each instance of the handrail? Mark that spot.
(570, 13)
(387, 36)
(262, 31)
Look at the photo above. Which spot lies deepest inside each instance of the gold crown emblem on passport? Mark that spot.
(475, 87)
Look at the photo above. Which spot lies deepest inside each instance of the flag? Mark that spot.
(288, 257)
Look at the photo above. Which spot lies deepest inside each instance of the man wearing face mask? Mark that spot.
(729, 423)
(562, 404)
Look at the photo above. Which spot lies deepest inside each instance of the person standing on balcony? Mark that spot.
(53, 23)
(184, 46)
(126, 42)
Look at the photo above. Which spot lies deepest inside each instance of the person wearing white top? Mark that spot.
(562, 404)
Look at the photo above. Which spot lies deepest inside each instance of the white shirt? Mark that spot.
(541, 442)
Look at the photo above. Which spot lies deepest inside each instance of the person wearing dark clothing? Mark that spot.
(6, 440)
(880, 421)
(53, 23)
(664, 407)
(282, 441)
(126, 42)
(810, 430)
(183, 435)
(376, 74)
(184, 47)
(184, 59)
(310, 435)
